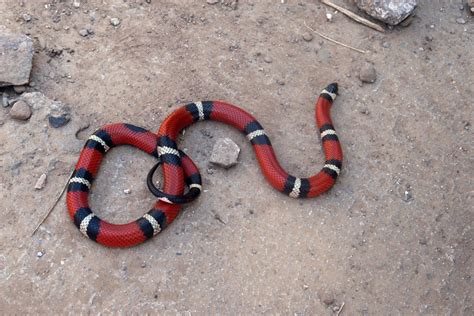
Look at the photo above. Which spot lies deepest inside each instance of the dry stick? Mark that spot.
(54, 205)
(334, 41)
(354, 16)
(340, 309)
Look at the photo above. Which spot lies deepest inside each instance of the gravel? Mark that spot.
(41, 182)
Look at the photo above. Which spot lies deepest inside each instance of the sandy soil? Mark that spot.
(394, 236)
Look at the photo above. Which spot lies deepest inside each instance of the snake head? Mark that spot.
(332, 88)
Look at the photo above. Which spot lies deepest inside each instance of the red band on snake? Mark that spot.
(179, 168)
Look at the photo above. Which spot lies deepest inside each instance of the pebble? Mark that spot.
(41, 182)
(127, 191)
(58, 121)
(460, 21)
(26, 17)
(329, 17)
(225, 153)
(115, 21)
(367, 73)
(268, 59)
(307, 36)
(407, 196)
(20, 111)
(212, 1)
(39, 254)
(386, 45)
(281, 82)
(19, 89)
(5, 100)
(76, 3)
(83, 32)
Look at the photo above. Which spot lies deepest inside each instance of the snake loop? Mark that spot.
(179, 169)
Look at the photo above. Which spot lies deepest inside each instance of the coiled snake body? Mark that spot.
(179, 169)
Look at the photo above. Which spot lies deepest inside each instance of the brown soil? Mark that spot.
(394, 235)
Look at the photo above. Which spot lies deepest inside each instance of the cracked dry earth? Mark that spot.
(394, 236)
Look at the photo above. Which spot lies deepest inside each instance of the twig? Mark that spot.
(354, 16)
(340, 309)
(334, 41)
(54, 205)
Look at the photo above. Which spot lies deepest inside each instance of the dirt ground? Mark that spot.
(393, 237)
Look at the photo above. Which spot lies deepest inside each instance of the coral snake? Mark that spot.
(179, 169)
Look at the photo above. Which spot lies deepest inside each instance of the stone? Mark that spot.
(367, 73)
(20, 111)
(19, 89)
(470, 4)
(115, 21)
(307, 36)
(5, 102)
(460, 21)
(268, 59)
(83, 32)
(389, 11)
(41, 182)
(16, 56)
(212, 1)
(58, 121)
(225, 153)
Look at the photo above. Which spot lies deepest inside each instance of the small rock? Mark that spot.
(225, 153)
(19, 89)
(281, 82)
(16, 56)
(5, 102)
(115, 21)
(39, 254)
(389, 11)
(212, 1)
(127, 191)
(83, 32)
(76, 3)
(41, 182)
(20, 111)
(407, 196)
(460, 21)
(58, 121)
(329, 17)
(326, 297)
(386, 45)
(267, 59)
(367, 73)
(143, 265)
(470, 4)
(307, 36)
(26, 17)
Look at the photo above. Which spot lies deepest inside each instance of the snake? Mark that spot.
(179, 170)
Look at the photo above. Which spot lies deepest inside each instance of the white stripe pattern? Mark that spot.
(333, 167)
(80, 180)
(195, 185)
(167, 150)
(164, 199)
(153, 223)
(256, 133)
(200, 110)
(295, 193)
(332, 95)
(100, 141)
(328, 132)
(85, 222)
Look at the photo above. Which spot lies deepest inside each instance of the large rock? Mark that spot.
(389, 11)
(16, 56)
